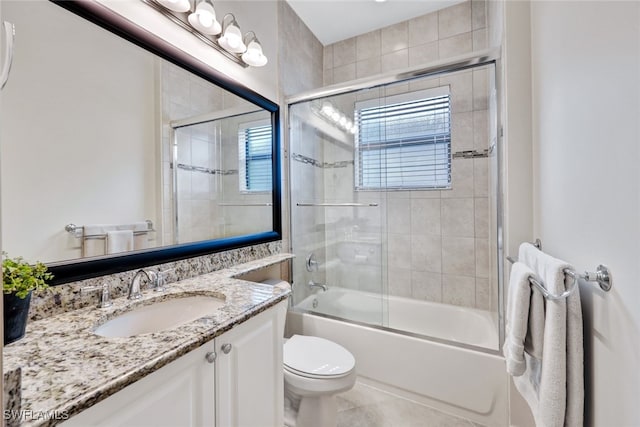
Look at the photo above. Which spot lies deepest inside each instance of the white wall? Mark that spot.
(586, 140)
(71, 119)
(258, 16)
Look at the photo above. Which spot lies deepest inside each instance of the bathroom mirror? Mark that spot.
(120, 151)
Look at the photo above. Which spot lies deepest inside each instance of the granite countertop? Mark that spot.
(66, 368)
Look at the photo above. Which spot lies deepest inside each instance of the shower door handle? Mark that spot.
(10, 33)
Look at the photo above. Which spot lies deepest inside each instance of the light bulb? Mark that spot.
(231, 40)
(327, 108)
(176, 5)
(335, 116)
(343, 121)
(204, 19)
(254, 56)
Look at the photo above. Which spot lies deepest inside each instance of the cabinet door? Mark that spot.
(249, 373)
(178, 394)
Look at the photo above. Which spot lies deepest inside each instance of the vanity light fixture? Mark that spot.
(199, 18)
(253, 55)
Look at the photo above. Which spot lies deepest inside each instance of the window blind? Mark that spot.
(255, 143)
(404, 142)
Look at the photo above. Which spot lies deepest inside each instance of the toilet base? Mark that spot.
(317, 411)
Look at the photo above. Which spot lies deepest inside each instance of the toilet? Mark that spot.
(315, 370)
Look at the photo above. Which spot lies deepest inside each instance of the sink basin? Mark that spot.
(159, 316)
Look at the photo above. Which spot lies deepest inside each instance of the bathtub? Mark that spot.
(412, 349)
(440, 321)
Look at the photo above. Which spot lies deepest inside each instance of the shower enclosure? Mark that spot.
(394, 203)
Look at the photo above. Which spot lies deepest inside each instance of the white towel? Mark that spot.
(119, 241)
(553, 384)
(524, 320)
(95, 246)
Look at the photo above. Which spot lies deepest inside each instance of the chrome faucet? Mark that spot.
(105, 296)
(313, 284)
(134, 288)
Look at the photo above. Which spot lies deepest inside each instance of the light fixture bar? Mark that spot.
(183, 22)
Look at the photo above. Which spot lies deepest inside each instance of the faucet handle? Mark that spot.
(161, 280)
(105, 297)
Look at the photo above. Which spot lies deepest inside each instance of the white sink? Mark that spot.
(159, 316)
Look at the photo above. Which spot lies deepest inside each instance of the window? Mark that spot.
(254, 153)
(404, 141)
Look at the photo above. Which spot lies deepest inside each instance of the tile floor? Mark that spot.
(365, 406)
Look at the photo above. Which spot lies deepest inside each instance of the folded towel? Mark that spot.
(553, 383)
(524, 320)
(119, 241)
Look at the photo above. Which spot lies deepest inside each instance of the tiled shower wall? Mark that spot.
(437, 242)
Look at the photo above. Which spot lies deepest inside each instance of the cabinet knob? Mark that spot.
(226, 348)
(210, 356)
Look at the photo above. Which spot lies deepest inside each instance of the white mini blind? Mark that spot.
(404, 141)
(254, 149)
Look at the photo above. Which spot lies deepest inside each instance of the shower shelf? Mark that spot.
(345, 205)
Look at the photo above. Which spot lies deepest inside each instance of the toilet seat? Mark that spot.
(315, 357)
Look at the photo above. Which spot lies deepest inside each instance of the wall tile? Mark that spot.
(481, 129)
(395, 60)
(461, 86)
(482, 258)
(426, 286)
(462, 131)
(368, 67)
(399, 216)
(400, 282)
(327, 57)
(344, 52)
(455, 46)
(426, 253)
(399, 251)
(481, 211)
(344, 73)
(458, 217)
(481, 89)
(481, 177)
(425, 216)
(368, 45)
(461, 179)
(423, 54)
(454, 20)
(478, 14)
(423, 29)
(459, 290)
(480, 39)
(483, 294)
(395, 37)
(458, 256)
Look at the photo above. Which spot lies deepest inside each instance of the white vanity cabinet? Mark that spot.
(241, 386)
(249, 372)
(178, 394)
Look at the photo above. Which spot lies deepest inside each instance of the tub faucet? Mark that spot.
(134, 288)
(313, 284)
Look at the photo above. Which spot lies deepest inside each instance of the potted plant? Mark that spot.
(19, 279)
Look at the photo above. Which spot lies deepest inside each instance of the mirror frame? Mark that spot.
(74, 270)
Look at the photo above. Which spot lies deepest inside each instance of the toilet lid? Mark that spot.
(317, 356)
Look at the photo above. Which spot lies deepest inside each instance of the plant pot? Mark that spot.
(16, 312)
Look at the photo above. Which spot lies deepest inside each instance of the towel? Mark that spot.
(119, 241)
(553, 383)
(524, 320)
(95, 246)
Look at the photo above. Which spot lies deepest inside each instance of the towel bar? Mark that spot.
(602, 276)
(78, 231)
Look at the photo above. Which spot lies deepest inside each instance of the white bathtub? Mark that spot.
(440, 321)
(452, 378)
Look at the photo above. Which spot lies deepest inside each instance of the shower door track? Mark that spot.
(458, 63)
